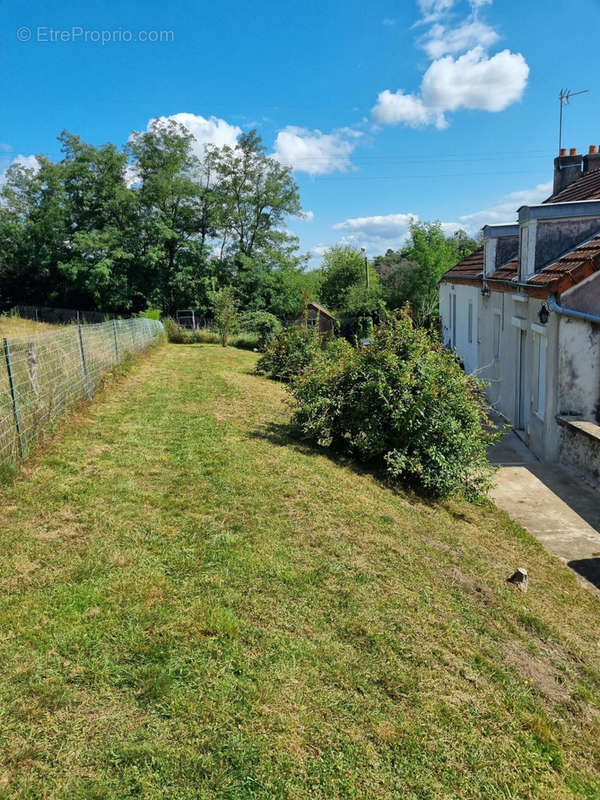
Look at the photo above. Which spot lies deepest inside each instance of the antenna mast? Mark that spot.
(564, 97)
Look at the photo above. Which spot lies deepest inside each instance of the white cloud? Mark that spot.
(382, 232)
(211, 130)
(315, 152)
(475, 81)
(505, 210)
(397, 107)
(434, 9)
(307, 216)
(377, 227)
(389, 22)
(320, 249)
(472, 33)
(30, 162)
(462, 74)
(390, 231)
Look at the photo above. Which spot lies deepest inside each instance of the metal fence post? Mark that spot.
(84, 372)
(114, 325)
(13, 394)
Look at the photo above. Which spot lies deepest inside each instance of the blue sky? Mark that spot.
(440, 109)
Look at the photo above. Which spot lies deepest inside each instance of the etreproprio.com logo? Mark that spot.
(44, 34)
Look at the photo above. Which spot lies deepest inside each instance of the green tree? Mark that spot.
(343, 267)
(257, 194)
(225, 310)
(413, 274)
(103, 232)
(178, 213)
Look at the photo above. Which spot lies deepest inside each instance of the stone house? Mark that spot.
(523, 312)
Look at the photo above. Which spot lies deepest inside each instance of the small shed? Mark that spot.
(316, 314)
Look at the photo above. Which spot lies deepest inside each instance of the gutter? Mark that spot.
(571, 312)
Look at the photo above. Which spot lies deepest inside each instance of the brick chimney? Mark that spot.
(567, 168)
(591, 162)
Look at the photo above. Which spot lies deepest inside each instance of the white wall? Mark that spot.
(579, 368)
(460, 335)
(503, 317)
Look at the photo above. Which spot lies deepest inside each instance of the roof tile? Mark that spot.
(470, 268)
(585, 188)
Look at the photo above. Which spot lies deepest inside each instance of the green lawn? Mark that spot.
(195, 606)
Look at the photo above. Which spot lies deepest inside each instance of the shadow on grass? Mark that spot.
(287, 435)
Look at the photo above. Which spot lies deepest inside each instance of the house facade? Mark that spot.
(523, 313)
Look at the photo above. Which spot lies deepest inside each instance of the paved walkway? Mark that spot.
(562, 511)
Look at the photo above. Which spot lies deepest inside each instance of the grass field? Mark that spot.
(195, 606)
(15, 326)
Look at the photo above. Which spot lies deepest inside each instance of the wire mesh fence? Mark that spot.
(42, 376)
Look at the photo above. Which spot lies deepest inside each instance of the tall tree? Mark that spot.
(176, 213)
(100, 265)
(257, 194)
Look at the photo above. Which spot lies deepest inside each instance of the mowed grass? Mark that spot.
(194, 605)
(11, 326)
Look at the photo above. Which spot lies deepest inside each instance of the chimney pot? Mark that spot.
(573, 151)
(593, 149)
(563, 151)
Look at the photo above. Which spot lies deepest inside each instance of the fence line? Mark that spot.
(42, 376)
(58, 316)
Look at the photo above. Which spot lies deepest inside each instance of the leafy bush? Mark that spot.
(177, 334)
(290, 352)
(150, 313)
(402, 402)
(264, 325)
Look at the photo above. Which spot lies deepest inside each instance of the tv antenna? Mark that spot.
(564, 98)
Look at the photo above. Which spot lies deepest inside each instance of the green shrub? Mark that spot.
(266, 326)
(151, 313)
(177, 334)
(291, 350)
(402, 402)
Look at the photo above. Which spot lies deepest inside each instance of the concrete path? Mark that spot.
(562, 511)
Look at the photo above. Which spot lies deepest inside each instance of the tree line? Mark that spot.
(155, 224)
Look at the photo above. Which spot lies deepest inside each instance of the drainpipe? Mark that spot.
(571, 312)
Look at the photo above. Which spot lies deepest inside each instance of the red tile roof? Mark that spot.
(470, 269)
(571, 268)
(507, 272)
(585, 188)
(559, 276)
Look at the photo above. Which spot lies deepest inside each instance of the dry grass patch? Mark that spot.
(16, 327)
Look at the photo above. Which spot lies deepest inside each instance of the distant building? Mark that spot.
(523, 312)
(317, 314)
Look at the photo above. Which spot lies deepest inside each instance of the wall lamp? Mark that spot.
(544, 314)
